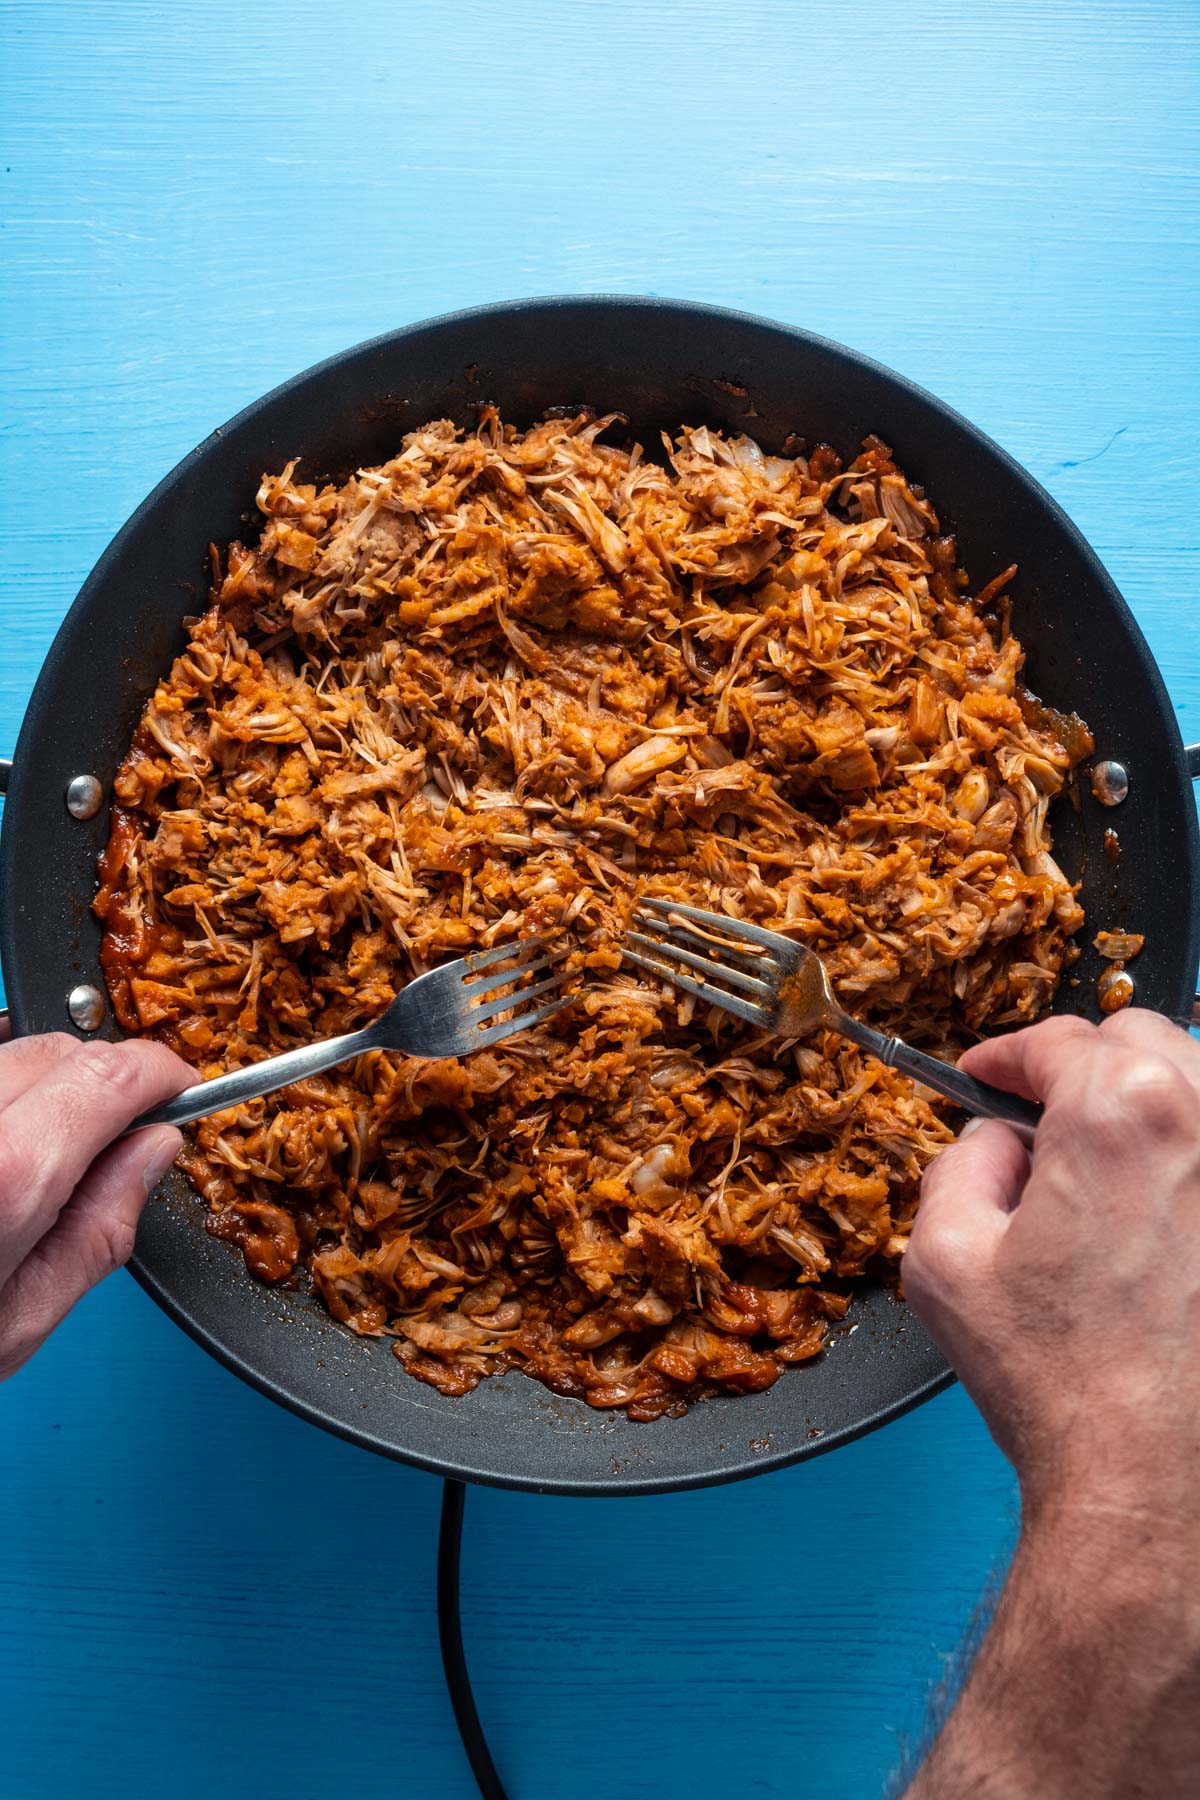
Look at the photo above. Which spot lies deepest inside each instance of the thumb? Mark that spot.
(967, 1195)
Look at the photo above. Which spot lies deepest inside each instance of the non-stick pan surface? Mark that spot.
(661, 363)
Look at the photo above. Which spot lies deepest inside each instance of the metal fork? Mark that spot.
(442, 1013)
(782, 986)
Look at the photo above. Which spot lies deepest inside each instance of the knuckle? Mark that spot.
(114, 1246)
(1118, 1027)
(1134, 1024)
(13, 1170)
(127, 1073)
(94, 1082)
(1148, 1090)
(1063, 1029)
(1139, 1089)
(38, 1054)
(104, 1065)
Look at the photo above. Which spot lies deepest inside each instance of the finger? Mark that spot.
(52, 1133)
(1034, 1061)
(967, 1195)
(5, 1025)
(1138, 1028)
(976, 1180)
(92, 1236)
(26, 1059)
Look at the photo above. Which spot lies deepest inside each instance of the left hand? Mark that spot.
(70, 1198)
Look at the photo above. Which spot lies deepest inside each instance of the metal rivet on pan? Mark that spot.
(1114, 988)
(85, 797)
(85, 1007)
(1110, 783)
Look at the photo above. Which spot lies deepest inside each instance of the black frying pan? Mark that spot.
(662, 363)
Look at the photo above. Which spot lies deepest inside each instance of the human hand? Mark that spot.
(1066, 1291)
(70, 1197)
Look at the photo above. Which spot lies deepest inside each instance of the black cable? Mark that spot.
(454, 1660)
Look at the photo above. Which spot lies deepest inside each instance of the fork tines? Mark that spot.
(722, 924)
(485, 981)
(686, 938)
(485, 959)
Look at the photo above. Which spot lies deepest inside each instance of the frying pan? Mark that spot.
(661, 363)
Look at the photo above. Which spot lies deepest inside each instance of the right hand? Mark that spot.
(1065, 1289)
(70, 1198)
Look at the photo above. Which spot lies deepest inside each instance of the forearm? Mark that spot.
(1088, 1682)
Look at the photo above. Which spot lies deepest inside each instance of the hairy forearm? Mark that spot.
(1088, 1682)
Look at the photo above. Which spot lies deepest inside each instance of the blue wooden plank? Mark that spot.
(197, 1591)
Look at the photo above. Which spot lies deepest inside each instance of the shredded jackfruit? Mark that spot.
(508, 681)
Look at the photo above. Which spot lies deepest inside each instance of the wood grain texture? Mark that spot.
(197, 1593)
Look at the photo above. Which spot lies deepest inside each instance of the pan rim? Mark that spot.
(176, 480)
(627, 1486)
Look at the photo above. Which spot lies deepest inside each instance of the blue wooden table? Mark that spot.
(198, 1594)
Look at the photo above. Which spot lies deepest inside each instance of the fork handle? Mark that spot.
(978, 1097)
(257, 1079)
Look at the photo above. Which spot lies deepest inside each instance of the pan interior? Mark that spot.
(661, 364)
